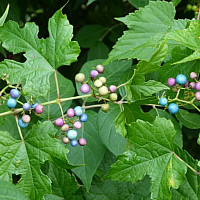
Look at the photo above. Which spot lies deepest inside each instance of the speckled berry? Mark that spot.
(71, 134)
(100, 68)
(193, 75)
(171, 81)
(26, 106)
(65, 128)
(83, 117)
(59, 122)
(94, 73)
(78, 111)
(113, 96)
(80, 77)
(98, 83)
(11, 103)
(197, 96)
(82, 141)
(163, 101)
(192, 85)
(77, 125)
(74, 143)
(14, 93)
(173, 108)
(197, 86)
(39, 109)
(112, 88)
(26, 118)
(102, 79)
(65, 140)
(103, 91)
(70, 112)
(181, 79)
(22, 124)
(85, 88)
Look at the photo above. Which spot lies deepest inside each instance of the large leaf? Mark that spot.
(152, 154)
(25, 158)
(43, 56)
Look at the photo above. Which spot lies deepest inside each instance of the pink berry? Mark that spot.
(187, 84)
(112, 88)
(171, 81)
(82, 141)
(100, 68)
(59, 122)
(193, 75)
(70, 112)
(197, 95)
(193, 85)
(197, 85)
(65, 128)
(26, 118)
(94, 73)
(85, 88)
(77, 124)
(39, 109)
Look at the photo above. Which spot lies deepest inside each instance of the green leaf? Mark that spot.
(176, 2)
(4, 16)
(25, 158)
(52, 197)
(9, 191)
(40, 63)
(139, 3)
(90, 155)
(90, 2)
(152, 154)
(106, 127)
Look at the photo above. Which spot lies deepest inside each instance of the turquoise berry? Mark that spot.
(14, 93)
(22, 124)
(83, 117)
(71, 134)
(78, 111)
(181, 79)
(163, 101)
(34, 105)
(11, 103)
(74, 143)
(173, 108)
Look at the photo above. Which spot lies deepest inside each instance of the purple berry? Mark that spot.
(14, 93)
(26, 106)
(59, 122)
(77, 124)
(39, 109)
(26, 118)
(70, 112)
(193, 75)
(85, 88)
(112, 88)
(187, 84)
(192, 85)
(197, 95)
(82, 141)
(171, 81)
(94, 73)
(197, 85)
(100, 68)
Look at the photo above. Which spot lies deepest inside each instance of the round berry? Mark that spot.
(192, 85)
(14, 93)
(94, 73)
(163, 101)
(187, 84)
(171, 82)
(83, 117)
(103, 91)
(80, 77)
(98, 83)
(77, 124)
(100, 68)
(105, 107)
(193, 75)
(102, 79)
(34, 105)
(197, 86)
(112, 88)
(78, 111)
(85, 88)
(39, 109)
(71, 134)
(59, 122)
(65, 128)
(11, 103)
(82, 141)
(22, 124)
(197, 95)
(113, 97)
(70, 112)
(65, 140)
(74, 143)
(26, 106)
(26, 118)
(181, 79)
(173, 108)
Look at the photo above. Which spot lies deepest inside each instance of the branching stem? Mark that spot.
(19, 129)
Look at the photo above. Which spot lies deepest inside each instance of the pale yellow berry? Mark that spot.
(80, 77)
(113, 96)
(98, 83)
(65, 140)
(103, 91)
(105, 107)
(102, 79)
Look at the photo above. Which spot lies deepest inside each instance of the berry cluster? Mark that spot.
(98, 86)
(71, 121)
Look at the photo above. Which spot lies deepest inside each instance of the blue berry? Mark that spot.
(173, 108)
(163, 101)
(78, 111)
(74, 143)
(22, 124)
(71, 134)
(14, 93)
(181, 79)
(11, 103)
(34, 105)
(83, 117)
(26, 106)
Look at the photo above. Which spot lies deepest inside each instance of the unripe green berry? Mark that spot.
(102, 79)
(194, 8)
(189, 7)
(98, 83)
(113, 96)
(103, 91)
(105, 107)
(80, 77)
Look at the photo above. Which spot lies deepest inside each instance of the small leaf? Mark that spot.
(4, 16)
